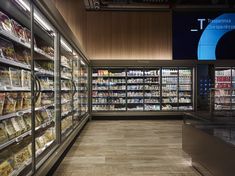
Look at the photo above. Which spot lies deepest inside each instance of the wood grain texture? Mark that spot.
(128, 148)
(119, 35)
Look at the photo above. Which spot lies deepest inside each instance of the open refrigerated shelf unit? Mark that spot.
(142, 89)
(40, 105)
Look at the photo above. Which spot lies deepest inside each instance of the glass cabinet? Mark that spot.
(41, 96)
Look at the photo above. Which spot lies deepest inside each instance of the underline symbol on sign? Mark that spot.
(194, 30)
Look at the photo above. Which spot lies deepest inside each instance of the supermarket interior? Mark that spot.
(117, 87)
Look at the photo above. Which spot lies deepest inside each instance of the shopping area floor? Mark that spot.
(128, 148)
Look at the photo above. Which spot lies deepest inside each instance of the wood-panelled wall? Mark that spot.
(119, 35)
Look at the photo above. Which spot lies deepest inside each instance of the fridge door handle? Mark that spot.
(39, 88)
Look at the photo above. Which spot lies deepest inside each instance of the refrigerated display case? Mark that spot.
(142, 89)
(31, 125)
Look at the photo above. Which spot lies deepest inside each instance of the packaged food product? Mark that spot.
(49, 135)
(44, 115)
(23, 56)
(39, 100)
(47, 65)
(28, 36)
(5, 23)
(5, 168)
(22, 124)
(38, 119)
(19, 31)
(19, 101)
(2, 101)
(27, 119)
(9, 128)
(7, 49)
(26, 78)
(40, 142)
(48, 50)
(10, 103)
(47, 98)
(26, 100)
(15, 77)
(3, 135)
(4, 77)
(16, 126)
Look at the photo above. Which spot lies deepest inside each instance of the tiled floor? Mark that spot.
(127, 148)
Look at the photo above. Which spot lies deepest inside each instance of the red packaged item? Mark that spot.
(19, 31)
(5, 23)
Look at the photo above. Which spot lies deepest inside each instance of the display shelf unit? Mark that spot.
(142, 89)
(46, 63)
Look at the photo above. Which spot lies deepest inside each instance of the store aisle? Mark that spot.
(127, 148)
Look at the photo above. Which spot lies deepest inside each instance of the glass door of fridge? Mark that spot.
(44, 75)
(185, 89)
(15, 89)
(84, 87)
(76, 97)
(67, 88)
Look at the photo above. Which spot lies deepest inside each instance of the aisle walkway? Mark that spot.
(127, 148)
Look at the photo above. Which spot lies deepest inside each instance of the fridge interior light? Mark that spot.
(82, 62)
(25, 5)
(65, 45)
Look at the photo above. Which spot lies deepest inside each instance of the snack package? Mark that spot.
(7, 49)
(2, 101)
(25, 79)
(9, 128)
(16, 126)
(4, 77)
(5, 23)
(26, 100)
(15, 77)
(19, 31)
(10, 103)
(19, 102)
(27, 120)
(3, 135)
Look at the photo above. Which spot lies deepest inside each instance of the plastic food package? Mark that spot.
(22, 124)
(7, 49)
(2, 101)
(26, 100)
(3, 135)
(21, 155)
(47, 98)
(19, 102)
(47, 65)
(19, 31)
(5, 168)
(38, 119)
(40, 142)
(16, 126)
(26, 78)
(48, 50)
(23, 56)
(44, 115)
(4, 77)
(9, 128)
(27, 119)
(15, 77)
(5, 23)
(10, 103)
(49, 135)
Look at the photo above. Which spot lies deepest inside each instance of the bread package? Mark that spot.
(16, 126)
